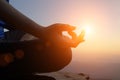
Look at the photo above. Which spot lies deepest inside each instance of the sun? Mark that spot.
(87, 29)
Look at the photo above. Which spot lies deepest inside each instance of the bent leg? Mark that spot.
(52, 59)
(37, 58)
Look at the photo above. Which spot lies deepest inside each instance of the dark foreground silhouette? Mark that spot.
(45, 58)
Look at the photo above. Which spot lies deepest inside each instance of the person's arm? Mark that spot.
(18, 20)
(52, 33)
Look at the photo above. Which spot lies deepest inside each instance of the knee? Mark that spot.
(53, 59)
(63, 58)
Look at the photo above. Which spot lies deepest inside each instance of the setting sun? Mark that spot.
(87, 29)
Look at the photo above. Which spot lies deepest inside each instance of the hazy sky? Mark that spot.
(103, 17)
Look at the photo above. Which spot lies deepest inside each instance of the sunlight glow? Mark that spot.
(87, 29)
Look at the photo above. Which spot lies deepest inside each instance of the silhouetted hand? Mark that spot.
(77, 39)
(53, 35)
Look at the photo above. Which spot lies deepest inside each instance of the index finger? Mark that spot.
(78, 40)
